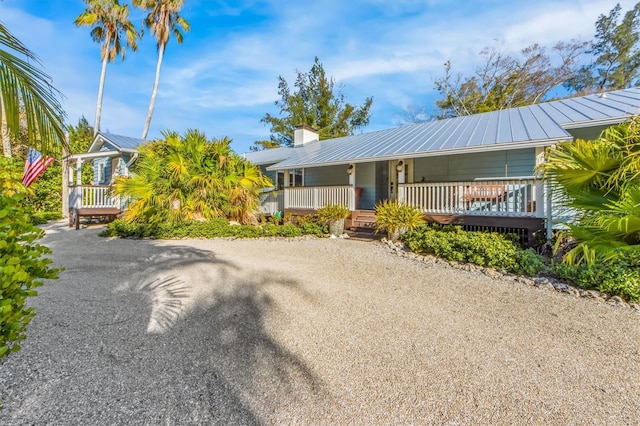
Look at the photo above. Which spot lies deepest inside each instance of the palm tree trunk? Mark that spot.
(147, 124)
(96, 128)
(4, 130)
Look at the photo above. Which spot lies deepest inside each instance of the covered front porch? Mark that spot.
(515, 204)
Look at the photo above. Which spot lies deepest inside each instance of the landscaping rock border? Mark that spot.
(543, 283)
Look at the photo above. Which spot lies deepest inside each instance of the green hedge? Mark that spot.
(23, 267)
(620, 277)
(210, 229)
(481, 248)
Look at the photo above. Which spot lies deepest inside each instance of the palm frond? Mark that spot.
(25, 86)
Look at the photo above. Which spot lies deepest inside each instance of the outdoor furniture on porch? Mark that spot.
(92, 201)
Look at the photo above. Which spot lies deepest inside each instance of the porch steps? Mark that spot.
(362, 220)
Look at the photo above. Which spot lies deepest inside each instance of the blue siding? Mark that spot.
(331, 175)
(366, 180)
(106, 180)
(510, 163)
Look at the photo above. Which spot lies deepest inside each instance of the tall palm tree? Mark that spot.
(110, 24)
(163, 20)
(26, 91)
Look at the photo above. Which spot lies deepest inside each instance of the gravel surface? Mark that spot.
(308, 331)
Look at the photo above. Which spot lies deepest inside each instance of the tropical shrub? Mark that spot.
(396, 218)
(599, 181)
(23, 267)
(189, 178)
(618, 277)
(481, 248)
(332, 212)
(215, 228)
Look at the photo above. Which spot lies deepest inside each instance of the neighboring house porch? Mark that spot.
(111, 156)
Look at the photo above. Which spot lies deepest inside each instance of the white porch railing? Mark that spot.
(271, 202)
(519, 197)
(315, 197)
(91, 196)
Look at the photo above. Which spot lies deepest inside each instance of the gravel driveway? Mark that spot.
(308, 331)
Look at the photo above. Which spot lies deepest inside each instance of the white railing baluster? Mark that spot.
(496, 197)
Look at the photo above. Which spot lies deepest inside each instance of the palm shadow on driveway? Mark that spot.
(137, 331)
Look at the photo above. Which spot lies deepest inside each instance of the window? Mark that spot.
(101, 177)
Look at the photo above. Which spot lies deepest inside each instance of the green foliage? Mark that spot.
(616, 58)
(40, 218)
(110, 27)
(312, 228)
(396, 218)
(600, 181)
(505, 81)
(619, 277)
(332, 212)
(23, 268)
(28, 100)
(481, 248)
(316, 103)
(215, 228)
(190, 178)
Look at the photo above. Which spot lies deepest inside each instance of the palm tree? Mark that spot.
(162, 20)
(600, 182)
(27, 98)
(110, 23)
(190, 178)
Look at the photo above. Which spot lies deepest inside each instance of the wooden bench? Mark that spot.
(75, 214)
(485, 193)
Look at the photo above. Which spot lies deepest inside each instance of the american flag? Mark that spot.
(34, 166)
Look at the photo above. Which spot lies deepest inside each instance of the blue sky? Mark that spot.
(223, 78)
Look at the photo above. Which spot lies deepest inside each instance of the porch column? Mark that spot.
(285, 188)
(79, 171)
(543, 195)
(287, 178)
(400, 190)
(65, 177)
(351, 171)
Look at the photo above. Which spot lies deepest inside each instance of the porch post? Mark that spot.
(79, 171)
(543, 195)
(285, 188)
(400, 190)
(287, 178)
(352, 174)
(65, 177)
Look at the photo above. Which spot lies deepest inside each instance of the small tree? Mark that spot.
(505, 81)
(190, 178)
(315, 102)
(616, 57)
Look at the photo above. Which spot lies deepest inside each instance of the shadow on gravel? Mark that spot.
(205, 355)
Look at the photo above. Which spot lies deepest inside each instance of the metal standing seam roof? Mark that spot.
(119, 141)
(535, 125)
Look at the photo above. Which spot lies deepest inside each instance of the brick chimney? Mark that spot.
(304, 134)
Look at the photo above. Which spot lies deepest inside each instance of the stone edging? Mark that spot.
(544, 283)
